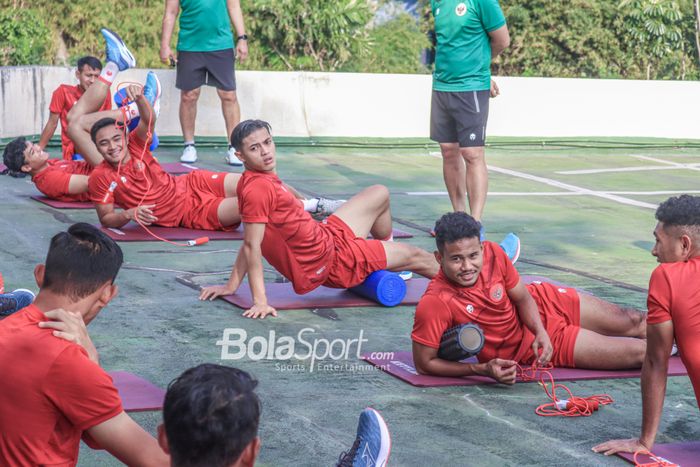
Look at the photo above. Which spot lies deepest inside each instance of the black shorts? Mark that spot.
(459, 117)
(211, 68)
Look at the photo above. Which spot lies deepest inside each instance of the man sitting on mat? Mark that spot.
(674, 313)
(53, 390)
(334, 253)
(541, 321)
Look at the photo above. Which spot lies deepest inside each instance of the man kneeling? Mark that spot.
(478, 284)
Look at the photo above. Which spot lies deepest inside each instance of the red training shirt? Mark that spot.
(53, 181)
(294, 243)
(674, 294)
(63, 99)
(51, 393)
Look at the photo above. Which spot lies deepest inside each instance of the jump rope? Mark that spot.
(124, 128)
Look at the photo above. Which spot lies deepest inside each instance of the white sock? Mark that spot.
(310, 205)
(131, 111)
(109, 72)
(189, 143)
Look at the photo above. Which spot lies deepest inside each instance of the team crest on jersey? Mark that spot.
(461, 9)
(470, 308)
(497, 292)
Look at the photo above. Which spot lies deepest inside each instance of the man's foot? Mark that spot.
(116, 51)
(511, 245)
(372, 445)
(152, 90)
(231, 158)
(15, 301)
(189, 154)
(326, 207)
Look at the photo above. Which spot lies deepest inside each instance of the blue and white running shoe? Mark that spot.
(511, 245)
(372, 445)
(116, 50)
(15, 301)
(151, 90)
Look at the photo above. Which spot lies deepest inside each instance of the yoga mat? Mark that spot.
(282, 297)
(63, 204)
(133, 232)
(684, 454)
(137, 394)
(178, 168)
(401, 366)
(2, 167)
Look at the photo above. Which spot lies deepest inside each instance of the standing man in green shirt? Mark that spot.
(469, 34)
(205, 55)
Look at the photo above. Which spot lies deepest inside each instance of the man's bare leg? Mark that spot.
(231, 184)
(228, 212)
(368, 212)
(596, 351)
(188, 112)
(477, 179)
(230, 109)
(405, 257)
(454, 172)
(82, 116)
(609, 319)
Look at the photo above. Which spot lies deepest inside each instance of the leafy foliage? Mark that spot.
(24, 38)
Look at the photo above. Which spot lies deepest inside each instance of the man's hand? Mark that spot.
(70, 326)
(260, 311)
(503, 371)
(495, 91)
(215, 291)
(620, 445)
(142, 214)
(241, 50)
(133, 92)
(542, 342)
(166, 54)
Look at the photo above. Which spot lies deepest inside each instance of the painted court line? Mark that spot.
(640, 168)
(673, 164)
(561, 193)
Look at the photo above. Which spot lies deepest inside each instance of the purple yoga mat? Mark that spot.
(401, 366)
(2, 167)
(177, 168)
(133, 232)
(137, 394)
(683, 454)
(282, 297)
(63, 204)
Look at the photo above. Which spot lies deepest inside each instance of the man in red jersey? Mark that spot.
(63, 100)
(674, 313)
(334, 253)
(54, 391)
(478, 284)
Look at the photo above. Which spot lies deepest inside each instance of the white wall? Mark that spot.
(376, 105)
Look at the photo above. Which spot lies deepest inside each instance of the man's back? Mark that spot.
(55, 179)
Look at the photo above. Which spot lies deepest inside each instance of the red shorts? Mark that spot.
(560, 311)
(204, 193)
(355, 258)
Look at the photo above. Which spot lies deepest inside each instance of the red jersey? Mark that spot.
(674, 295)
(53, 181)
(294, 243)
(136, 178)
(51, 393)
(63, 99)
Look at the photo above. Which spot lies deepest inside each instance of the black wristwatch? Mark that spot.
(243, 37)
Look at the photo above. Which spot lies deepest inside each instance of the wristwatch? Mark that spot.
(243, 37)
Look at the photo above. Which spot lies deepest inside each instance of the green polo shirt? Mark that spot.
(463, 50)
(204, 26)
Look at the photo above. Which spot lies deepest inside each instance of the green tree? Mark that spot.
(24, 38)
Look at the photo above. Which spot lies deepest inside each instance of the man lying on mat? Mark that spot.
(334, 253)
(478, 284)
(53, 389)
(674, 313)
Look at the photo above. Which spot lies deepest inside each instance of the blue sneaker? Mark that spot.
(78, 157)
(372, 445)
(151, 90)
(511, 245)
(15, 301)
(482, 233)
(116, 50)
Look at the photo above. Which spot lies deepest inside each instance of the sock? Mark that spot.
(310, 205)
(131, 111)
(109, 72)
(189, 143)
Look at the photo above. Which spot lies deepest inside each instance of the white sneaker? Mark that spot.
(406, 275)
(231, 158)
(189, 154)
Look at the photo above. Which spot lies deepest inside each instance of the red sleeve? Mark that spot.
(53, 183)
(510, 274)
(257, 201)
(432, 319)
(82, 391)
(98, 187)
(659, 299)
(138, 148)
(58, 100)
(107, 104)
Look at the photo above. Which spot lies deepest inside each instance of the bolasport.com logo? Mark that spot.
(302, 352)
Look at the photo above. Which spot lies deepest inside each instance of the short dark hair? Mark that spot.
(89, 60)
(98, 125)
(680, 211)
(245, 128)
(211, 413)
(80, 261)
(13, 156)
(455, 226)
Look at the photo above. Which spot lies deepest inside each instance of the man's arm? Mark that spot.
(147, 121)
(530, 316)
(49, 130)
(172, 7)
(236, 15)
(654, 377)
(115, 219)
(428, 363)
(127, 441)
(239, 271)
(500, 40)
(252, 239)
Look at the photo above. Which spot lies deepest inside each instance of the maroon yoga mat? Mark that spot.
(63, 204)
(683, 454)
(137, 394)
(133, 232)
(400, 365)
(178, 168)
(2, 167)
(282, 296)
